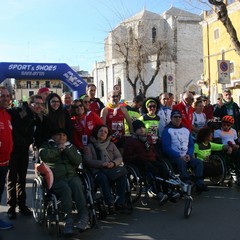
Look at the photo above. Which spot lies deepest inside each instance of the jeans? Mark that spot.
(195, 164)
(16, 185)
(70, 189)
(3, 174)
(105, 185)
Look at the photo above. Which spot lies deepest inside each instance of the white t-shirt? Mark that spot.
(231, 135)
(199, 121)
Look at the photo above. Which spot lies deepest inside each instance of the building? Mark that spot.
(181, 63)
(23, 88)
(217, 46)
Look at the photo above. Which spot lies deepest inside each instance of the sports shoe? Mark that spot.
(111, 209)
(162, 198)
(68, 227)
(121, 208)
(201, 188)
(11, 213)
(25, 211)
(82, 225)
(5, 225)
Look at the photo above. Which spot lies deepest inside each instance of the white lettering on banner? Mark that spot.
(46, 67)
(72, 79)
(23, 73)
(26, 67)
(22, 67)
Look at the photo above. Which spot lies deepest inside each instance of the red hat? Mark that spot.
(43, 89)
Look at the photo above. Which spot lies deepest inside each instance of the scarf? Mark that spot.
(142, 139)
(229, 105)
(101, 148)
(115, 108)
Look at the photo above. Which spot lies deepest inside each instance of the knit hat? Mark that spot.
(137, 124)
(58, 130)
(43, 90)
(176, 112)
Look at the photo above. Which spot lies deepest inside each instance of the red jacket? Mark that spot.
(6, 142)
(83, 127)
(187, 117)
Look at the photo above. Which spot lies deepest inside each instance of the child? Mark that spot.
(228, 135)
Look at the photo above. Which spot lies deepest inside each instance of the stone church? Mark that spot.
(165, 49)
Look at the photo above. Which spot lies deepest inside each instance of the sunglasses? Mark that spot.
(152, 106)
(115, 96)
(86, 101)
(55, 101)
(177, 116)
(227, 124)
(79, 106)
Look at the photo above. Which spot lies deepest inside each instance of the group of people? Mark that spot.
(66, 132)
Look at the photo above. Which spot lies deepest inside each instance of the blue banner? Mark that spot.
(49, 71)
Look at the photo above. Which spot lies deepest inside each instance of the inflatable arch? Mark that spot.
(59, 71)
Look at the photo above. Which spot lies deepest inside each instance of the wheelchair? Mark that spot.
(143, 187)
(100, 205)
(47, 207)
(226, 169)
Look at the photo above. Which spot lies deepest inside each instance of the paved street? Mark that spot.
(215, 216)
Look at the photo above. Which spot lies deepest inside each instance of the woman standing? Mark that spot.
(102, 156)
(57, 116)
(83, 124)
(199, 118)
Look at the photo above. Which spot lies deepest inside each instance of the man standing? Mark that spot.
(5, 143)
(113, 116)
(95, 103)
(24, 120)
(67, 101)
(179, 147)
(208, 108)
(229, 107)
(164, 113)
(186, 109)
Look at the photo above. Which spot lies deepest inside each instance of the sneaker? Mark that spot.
(162, 198)
(11, 213)
(111, 209)
(82, 225)
(5, 225)
(174, 196)
(25, 211)
(121, 208)
(202, 188)
(68, 227)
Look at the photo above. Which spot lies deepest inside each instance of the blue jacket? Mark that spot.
(177, 141)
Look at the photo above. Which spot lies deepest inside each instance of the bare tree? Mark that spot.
(136, 54)
(223, 17)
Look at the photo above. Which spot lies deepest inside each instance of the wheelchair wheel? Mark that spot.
(219, 163)
(38, 200)
(135, 183)
(53, 215)
(188, 207)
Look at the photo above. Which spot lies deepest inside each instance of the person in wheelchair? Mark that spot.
(139, 151)
(203, 149)
(63, 158)
(228, 136)
(178, 145)
(105, 162)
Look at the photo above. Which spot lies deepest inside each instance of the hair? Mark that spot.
(57, 116)
(203, 134)
(227, 91)
(73, 110)
(196, 103)
(33, 97)
(90, 85)
(97, 128)
(138, 99)
(144, 108)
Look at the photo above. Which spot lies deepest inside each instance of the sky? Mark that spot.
(69, 31)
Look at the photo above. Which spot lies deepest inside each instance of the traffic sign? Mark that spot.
(169, 80)
(117, 88)
(223, 71)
